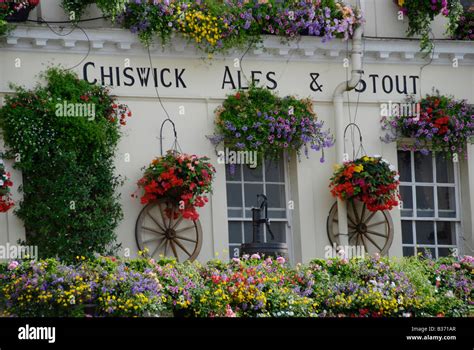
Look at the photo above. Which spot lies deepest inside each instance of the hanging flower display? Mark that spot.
(222, 25)
(5, 183)
(465, 29)
(258, 120)
(442, 125)
(371, 180)
(182, 180)
(421, 13)
(17, 11)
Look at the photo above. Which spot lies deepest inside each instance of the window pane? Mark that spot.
(274, 171)
(279, 231)
(424, 201)
(234, 251)
(427, 252)
(236, 175)
(446, 202)
(407, 232)
(408, 251)
(248, 232)
(253, 175)
(425, 232)
(277, 214)
(446, 232)
(234, 213)
(276, 196)
(234, 195)
(407, 200)
(445, 251)
(423, 167)
(235, 232)
(444, 170)
(404, 165)
(251, 192)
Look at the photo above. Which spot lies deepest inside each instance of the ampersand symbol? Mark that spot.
(314, 84)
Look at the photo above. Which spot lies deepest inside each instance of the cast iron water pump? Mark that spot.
(258, 244)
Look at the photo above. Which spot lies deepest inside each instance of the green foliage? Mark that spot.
(421, 13)
(69, 205)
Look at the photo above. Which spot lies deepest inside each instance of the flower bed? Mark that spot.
(182, 180)
(215, 25)
(443, 125)
(258, 120)
(371, 180)
(247, 287)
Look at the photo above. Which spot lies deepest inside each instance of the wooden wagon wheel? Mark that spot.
(162, 235)
(373, 230)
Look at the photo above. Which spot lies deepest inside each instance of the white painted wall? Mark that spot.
(308, 179)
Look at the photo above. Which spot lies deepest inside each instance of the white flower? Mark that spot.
(377, 156)
(450, 294)
(406, 314)
(384, 161)
(396, 177)
(391, 167)
(1, 161)
(1, 182)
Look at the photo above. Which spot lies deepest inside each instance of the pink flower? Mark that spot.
(255, 256)
(236, 260)
(229, 312)
(281, 260)
(268, 260)
(13, 265)
(457, 266)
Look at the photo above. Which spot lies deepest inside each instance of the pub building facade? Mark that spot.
(438, 193)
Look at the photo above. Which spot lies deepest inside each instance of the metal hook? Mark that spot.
(161, 133)
(361, 147)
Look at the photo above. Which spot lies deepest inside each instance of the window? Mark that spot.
(430, 209)
(242, 189)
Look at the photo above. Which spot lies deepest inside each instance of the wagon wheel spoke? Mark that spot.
(363, 213)
(373, 242)
(163, 214)
(171, 221)
(155, 221)
(175, 253)
(152, 230)
(182, 247)
(151, 240)
(355, 212)
(159, 246)
(351, 219)
(186, 239)
(363, 242)
(177, 222)
(370, 217)
(376, 233)
(377, 223)
(185, 229)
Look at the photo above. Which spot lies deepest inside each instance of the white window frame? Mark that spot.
(417, 247)
(287, 220)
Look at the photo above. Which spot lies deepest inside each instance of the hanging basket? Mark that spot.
(20, 11)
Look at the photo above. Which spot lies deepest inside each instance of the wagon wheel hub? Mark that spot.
(170, 233)
(361, 228)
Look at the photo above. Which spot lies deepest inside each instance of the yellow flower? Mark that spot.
(358, 168)
(401, 2)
